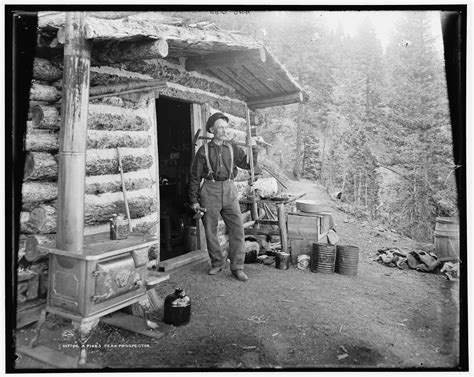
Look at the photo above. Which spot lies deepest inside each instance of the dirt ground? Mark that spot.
(383, 317)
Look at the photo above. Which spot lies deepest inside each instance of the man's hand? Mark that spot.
(196, 207)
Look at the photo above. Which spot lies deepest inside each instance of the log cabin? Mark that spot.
(140, 87)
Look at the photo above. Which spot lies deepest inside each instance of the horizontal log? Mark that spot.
(34, 193)
(113, 139)
(100, 90)
(225, 59)
(105, 161)
(105, 117)
(101, 208)
(42, 219)
(175, 73)
(141, 50)
(259, 103)
(43, 69)
(41, 141)
(40, 166)
(44, 93)
(105, 75)
(225, 104)
(45, 141)
(98, 209)
(99, 184)
(46, 117)
(139, 225)
(32, 253)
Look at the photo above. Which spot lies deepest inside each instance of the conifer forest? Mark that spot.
(376, 127)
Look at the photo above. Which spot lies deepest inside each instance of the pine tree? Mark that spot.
(418, 124)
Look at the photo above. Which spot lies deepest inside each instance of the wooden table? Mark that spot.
(281, 221)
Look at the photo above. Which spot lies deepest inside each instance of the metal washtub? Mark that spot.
(323, 258)
(347, 259)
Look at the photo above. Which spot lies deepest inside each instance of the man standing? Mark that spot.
(216, 162)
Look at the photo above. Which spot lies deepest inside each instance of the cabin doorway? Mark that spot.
(175, 152)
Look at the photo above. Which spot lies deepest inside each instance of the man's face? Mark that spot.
(219, 129)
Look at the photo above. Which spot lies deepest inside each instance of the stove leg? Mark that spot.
(39, 326)
(83, 330)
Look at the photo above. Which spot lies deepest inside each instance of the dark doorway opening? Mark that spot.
(175, 155)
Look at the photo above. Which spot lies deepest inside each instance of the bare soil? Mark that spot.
(381, 318)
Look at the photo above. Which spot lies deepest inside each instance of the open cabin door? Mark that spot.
(177, 122)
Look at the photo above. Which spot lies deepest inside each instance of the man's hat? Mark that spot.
(212, 119)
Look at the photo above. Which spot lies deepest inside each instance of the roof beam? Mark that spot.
(258, 103)
(225, 59)
(128, 51)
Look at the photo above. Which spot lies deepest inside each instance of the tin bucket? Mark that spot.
(119, 228)
(347, 259)
(282, 261)
(323, 258)
(446, 237)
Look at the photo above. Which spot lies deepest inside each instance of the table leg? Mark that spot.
(282, 224)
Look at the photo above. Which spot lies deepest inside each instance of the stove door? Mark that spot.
(115, 277)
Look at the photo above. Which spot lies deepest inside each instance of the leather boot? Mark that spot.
(240, 275)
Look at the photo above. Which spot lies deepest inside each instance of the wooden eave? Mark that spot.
(234, 58)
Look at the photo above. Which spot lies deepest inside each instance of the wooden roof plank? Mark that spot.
(221, 75)
(225, 59)
(258, 78)
(258, 103)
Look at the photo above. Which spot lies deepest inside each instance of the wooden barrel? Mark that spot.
(446, 237)
(347, 259)
(323, 258)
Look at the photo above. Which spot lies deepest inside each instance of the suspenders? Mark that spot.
(208, 162)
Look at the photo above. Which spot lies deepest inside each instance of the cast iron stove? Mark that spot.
(107, 276)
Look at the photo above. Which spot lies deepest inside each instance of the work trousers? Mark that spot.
(220, 197)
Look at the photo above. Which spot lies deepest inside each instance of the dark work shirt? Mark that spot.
(219, 157)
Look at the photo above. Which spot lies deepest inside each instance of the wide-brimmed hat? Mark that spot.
(212, 119)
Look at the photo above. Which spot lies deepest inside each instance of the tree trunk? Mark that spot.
(34, 193)
(299, 131)
(355, 189)
(46, 117)
(44, 70)
(366, 191)
(41, 141)
(323, 154)
(105, 117)
(43, 220)
(40, 166)
(32, 254)
(44, 93)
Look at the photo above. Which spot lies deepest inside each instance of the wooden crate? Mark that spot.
(304, 226)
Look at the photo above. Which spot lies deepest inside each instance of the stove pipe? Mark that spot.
(72, 147)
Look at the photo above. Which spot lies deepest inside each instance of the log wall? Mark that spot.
(126, 121)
